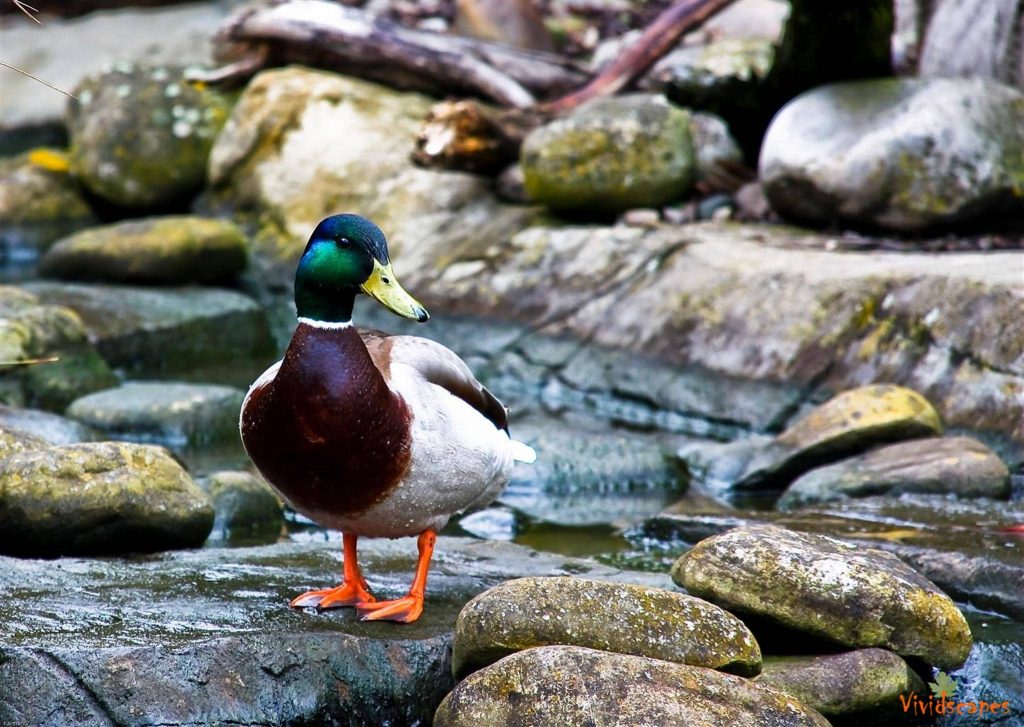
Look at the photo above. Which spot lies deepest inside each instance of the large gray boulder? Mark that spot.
(854, 596)
(572, 685)
(303, 144)
(611, 154)
(101, 497)
(904, 154)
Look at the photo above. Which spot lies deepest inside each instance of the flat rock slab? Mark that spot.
(857, 597)
(571, 685)
(145, 329)
(957, 466)
(168, 412)
(206, 635)
(48, 427)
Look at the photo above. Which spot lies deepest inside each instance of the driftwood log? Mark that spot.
(349, 40)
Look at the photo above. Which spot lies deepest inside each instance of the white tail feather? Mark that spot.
(523, 452)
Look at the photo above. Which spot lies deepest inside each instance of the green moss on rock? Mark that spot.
(612, 154)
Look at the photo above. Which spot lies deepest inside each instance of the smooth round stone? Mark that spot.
(571, 685)
(164, 411)
(166, 250)
(619, 617)
(245, 507)
(847, 424)
(855, 596)
(48, 427)
(101, 497)
(612, 154)
(904, 154)
(140, 136)
(956, 466)
(844, 683)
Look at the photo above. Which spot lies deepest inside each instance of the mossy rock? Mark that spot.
(30, 330)
(39, 203)
(619, 617)
(847, 424)
(101, 497)
(247, 510)
(571, 685)
(141, 136)
(844, 684)
(854, 596)
(13, 441)
(612, 154)
(164, 250)
(954, 466)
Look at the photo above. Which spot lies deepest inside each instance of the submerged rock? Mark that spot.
(889, 153)
(847, 424)
(165, 250)
(589, 476)
(246, 509)
(148, 330)
(621, 618)
(571, 685)
(99, 498)
(611, 154)
(140, 136)
(30, 329)
(847, 684)
(168, 412)
(857, 597)
(39, 203)
(956, 466)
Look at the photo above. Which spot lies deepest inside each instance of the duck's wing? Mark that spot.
(439, 366)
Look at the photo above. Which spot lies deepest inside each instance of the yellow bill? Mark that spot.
(382, 286)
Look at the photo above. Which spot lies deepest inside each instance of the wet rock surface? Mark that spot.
(39, 203)
(98, 498)
(956, 466)
(888, 153)
(175, 250)
(140, 135)
(152, 330)
(201, 636)
(574, 685)
(169, 412)
(844, 684)
(48, 427)
(616, 617)
(612, 154)
(858, 597)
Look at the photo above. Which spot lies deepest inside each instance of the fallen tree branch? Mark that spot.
(350, 40)
(657, 39)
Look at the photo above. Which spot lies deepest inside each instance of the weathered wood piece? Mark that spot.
(347, 39)
(657, 39)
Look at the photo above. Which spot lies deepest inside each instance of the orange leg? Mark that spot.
(406, 609)
(353, 590)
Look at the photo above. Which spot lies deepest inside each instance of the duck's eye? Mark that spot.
(344, 242)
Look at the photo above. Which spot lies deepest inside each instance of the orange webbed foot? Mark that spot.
(403, 610)
(347, 594)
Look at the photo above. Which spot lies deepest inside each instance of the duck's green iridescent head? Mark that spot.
(347, 255)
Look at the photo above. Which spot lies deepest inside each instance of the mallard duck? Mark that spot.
(370, 434)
